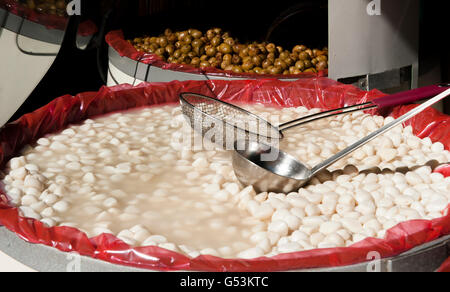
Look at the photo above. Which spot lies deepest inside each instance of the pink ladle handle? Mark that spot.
(410, 96)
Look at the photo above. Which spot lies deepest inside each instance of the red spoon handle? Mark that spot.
(410, 96)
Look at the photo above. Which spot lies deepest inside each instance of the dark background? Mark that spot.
(76, 71)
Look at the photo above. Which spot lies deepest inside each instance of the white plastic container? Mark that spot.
(27, 50)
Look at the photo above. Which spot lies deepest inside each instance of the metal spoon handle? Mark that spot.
(379, 132)
(406, 97)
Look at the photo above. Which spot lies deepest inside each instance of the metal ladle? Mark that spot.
(268, 169)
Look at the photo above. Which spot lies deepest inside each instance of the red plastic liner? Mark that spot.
(317, 92)
(445, 268)
(116, 40)
(86, 28)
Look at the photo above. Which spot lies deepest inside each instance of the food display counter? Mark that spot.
(120, 178)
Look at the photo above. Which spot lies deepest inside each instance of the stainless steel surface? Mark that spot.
(370, 37)
(427, 257)
(46, 259)
(226, 123)
(268, 169)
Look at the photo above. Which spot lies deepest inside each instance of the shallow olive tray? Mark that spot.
(426, 258)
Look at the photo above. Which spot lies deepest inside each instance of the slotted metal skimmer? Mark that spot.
(223, 123)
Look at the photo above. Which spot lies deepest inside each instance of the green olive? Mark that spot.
(199, 51)
(216, 41)
(298, 49)
(281, 64)
(237, 48)
(210, 34)
(196, 34)
(186, 49)
(317, 52)
(271, 57)
(310, 70)
(177, 54)
(225, 64)
(322, 58)
(178, 45)
(322, 65)
(197, 43)
(236, 60)
(275, 70)
(308, 64)
(229, 41)
(284, 55)
(205, 64)
(304, 56)
(219, 56)
(170, 49)
(292, 70)
(186, 60)
(195, 61)
(289, 61)
(172, 38)
(210, 51)
(154, 47)
(300, 65)
(310, 53)
(168, 32)
(271, 48)
(160, 52)
(227, 58)
(60, 4)
(246, 66)
(182, 35)
(187, 40)
(162, 41)
(225, 48)
(257, 60)
(237, 69)
(267, 63)
(191, 54)
(262, 48)
(253, 50)
(246, 59)
(244, 52)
